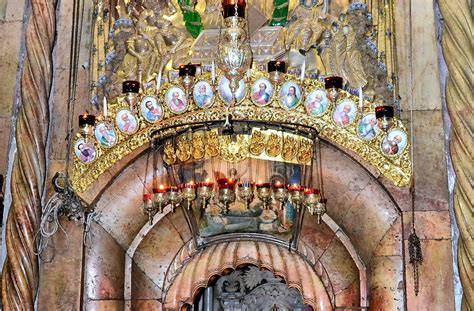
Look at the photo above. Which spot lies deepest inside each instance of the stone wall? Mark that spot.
(418, 74)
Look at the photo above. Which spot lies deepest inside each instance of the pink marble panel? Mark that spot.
(104, 266)
(104, 305)
(386, 284)
(341, 268)
(429, 224)
(142, 305)
(436, 278)
(157, 250)
(350, 296)
(370, 216)
(391, 243)
(142, 286)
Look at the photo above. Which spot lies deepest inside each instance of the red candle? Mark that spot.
(86, 119)
(295, 187)
(190, 184)
(263, 185)
(147, 196)
(206, 184)
(278, 185)
(226, 183)
(311, 191)
(161, 189)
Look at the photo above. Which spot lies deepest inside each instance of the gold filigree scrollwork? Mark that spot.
(397, 167)
(273, 147)
(290, 147)
(169, 154)
(257, 143)
(183, 148)
(199, 149)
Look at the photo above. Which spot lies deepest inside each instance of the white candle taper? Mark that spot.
(213, 72)
(158, 82)
(105, 106)
(361, 100)
(303, 69)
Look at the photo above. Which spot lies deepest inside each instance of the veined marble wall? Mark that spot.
(66, 280)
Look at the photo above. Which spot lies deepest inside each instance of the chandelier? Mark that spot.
(234, 55)
(238, 149)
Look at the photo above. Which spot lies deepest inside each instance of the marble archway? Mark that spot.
(363, 216)
(211, 262)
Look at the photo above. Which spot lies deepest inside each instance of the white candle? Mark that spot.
(105, 106)
(213, 72)
(249, 73)
(158, 82)
(361, 100)
(303, 69)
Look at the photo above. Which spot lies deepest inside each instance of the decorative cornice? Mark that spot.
(396, 167)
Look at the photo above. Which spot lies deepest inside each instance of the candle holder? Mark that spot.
(161, 197)
(296, 195)
(320, 209)
(276, 71)
(264, 193)
(204, 192)
(226, 192)
(311, 199)
(148, 207)
(87, 123)
(175, 197)
(280, 193)
(187, 74)
(384, 115)
(245, 193)
(188, 192)
(333, 86)
(131, 89)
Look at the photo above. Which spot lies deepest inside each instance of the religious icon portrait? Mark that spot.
(225, 93)
(150, 109)
(316, 103)
(290, 95)
(203, 94)
(262, 92)
(394, 143)
(367, 128)
(345, 113)
(176, 100)
(105, 134)
(126, 121)
(85, 151)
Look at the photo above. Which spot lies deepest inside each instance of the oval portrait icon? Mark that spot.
(394, 143)
(316, 103)
(176, 100)
(203, 94)
(225, 93)
(85, 151)
(290, 95)
(126, 121)
(262, 92)
(367, 128)
(345, 113)
(105, 134)
(150, 109)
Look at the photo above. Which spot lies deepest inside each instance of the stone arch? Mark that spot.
(350, 188)
(197, 272)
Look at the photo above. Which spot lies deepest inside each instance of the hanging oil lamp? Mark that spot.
(131, 89)
(384, 115)
(333, 87)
